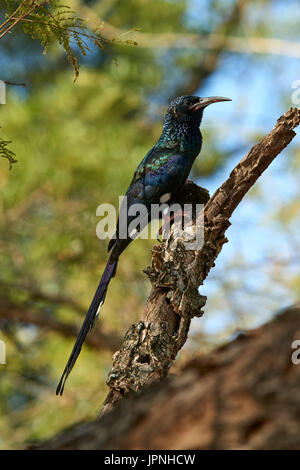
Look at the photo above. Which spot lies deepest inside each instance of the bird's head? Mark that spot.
(190, 108)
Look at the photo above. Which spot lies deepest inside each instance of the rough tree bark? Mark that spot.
(150, 346)
(243, 395)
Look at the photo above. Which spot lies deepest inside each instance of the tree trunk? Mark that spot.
(243, 395)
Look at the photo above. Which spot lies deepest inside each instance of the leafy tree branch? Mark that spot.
(6, 152)
(52, 22)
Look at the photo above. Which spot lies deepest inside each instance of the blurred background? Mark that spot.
(77, 146)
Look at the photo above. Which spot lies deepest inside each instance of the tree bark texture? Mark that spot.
(243, 395)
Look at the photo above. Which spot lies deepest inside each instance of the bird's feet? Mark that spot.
(168, 220)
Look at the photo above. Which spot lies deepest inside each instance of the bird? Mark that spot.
(162, 172)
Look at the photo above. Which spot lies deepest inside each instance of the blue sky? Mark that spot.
(259, 98)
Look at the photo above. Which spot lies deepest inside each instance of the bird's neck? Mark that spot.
(183, 136)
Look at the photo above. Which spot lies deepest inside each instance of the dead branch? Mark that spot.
(23, 314)
(151, 345)
(8, 82)
(212, 41)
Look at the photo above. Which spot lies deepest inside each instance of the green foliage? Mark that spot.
(52, 22)
(6, 152)
(49, 22)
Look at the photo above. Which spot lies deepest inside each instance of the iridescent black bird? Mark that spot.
(162, 172)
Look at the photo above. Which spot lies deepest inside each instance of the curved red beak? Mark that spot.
(203, 102)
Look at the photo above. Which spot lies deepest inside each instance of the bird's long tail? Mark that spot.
(99, 297)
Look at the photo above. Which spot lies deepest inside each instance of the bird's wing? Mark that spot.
(162, 171)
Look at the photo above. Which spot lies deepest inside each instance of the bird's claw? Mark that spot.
(159, 233)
